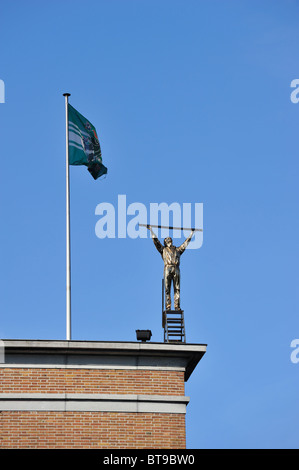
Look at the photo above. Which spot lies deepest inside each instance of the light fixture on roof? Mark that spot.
(143, 335)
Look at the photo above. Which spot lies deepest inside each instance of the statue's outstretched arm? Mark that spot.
(157, 243)
(184, 245)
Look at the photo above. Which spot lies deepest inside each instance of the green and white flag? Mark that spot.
(84, 145)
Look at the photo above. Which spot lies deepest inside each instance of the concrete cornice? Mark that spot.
(130, 403)
(104, 345)
(105, 353)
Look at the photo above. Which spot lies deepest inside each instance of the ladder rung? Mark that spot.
(180, 316)
(174, 314)
(175, 327)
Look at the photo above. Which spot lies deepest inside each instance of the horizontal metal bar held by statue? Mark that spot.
(171, 228)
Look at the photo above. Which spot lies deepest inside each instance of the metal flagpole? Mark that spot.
(68, 243)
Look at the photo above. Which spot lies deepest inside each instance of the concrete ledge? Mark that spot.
(102, 345)
(44, 365)
(95, 354)
(93, 402)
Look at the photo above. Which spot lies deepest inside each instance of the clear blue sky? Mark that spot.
(191, 101)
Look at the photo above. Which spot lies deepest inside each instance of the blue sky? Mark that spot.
(191, 102)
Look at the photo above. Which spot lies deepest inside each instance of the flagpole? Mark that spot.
(68, 242)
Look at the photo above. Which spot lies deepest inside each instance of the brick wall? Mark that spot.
(54, 380)
(51, 429)
(92, 430)
(81, 394)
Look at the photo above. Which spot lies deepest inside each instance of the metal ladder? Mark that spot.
(174, 326)
(173, 323)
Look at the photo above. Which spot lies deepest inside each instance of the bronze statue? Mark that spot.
(171, 257)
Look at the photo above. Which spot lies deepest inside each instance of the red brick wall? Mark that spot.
(40, 429)
(91, 381)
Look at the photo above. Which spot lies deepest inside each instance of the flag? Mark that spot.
(84, 145)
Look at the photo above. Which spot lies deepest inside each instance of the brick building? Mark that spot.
(79, 394)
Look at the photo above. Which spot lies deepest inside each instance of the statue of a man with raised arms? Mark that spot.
(171, 257)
